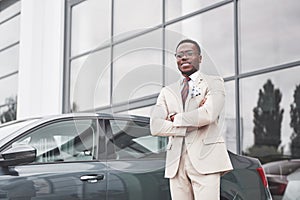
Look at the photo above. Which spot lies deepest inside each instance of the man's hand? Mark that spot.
(202, 102)
(172, 117)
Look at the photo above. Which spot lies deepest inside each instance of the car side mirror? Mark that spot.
(17, 155)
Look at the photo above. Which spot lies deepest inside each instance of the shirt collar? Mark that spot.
(193, 77)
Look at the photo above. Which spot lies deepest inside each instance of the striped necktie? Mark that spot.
(185, 89)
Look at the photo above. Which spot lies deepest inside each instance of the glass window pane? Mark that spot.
(132, 140)
(91, 22)
(9, 60)
(8, 88)
(10, 32)
(90, 81)
(230, 117)
(264, 134)
(10, 11)
(137, 67)
(269, 33)
(64, 141)
(178, 8)
(8, 98)
(136, 14)
(214, 32)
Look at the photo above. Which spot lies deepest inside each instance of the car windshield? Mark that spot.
(9, 128)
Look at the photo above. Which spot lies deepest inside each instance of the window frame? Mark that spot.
(160, 155)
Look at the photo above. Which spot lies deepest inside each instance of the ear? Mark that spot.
(200, 58)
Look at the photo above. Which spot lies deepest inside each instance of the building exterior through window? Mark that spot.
(9, 57)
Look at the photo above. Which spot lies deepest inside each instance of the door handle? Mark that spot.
(92, 178)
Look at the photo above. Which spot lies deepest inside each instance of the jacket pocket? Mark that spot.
(213, 140)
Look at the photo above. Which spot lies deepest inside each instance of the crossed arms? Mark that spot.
(162, 124)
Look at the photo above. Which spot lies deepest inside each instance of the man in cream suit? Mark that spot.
(188, 112)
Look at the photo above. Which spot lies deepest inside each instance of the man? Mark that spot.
(188, 113)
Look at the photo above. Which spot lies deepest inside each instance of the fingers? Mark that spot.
(202, 102)
(172, 117)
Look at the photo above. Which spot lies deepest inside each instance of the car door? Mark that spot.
(66, 166)
(135, 162)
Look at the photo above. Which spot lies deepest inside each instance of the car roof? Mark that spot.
(82, 114)
(100, 115)
(282, 167)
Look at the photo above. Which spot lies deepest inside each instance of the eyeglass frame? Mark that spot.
(188, 53)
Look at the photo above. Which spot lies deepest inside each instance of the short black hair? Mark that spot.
(190, 41)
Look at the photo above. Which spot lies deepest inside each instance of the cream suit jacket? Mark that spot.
(197, 125)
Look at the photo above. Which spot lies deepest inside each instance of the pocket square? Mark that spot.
(195, 92)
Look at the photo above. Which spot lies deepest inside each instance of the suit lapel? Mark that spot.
(198, 81)
(176, 91)
(176, 88)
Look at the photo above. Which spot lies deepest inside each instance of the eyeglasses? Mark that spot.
(189, 53)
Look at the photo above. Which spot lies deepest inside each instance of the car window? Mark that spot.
(132, 140)
(72, 140)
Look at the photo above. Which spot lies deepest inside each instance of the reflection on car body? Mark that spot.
(282, 177)
(101, 156)
(292, 189)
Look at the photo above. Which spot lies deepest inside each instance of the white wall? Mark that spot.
(41, 58)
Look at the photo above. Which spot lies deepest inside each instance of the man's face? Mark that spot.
(188, 58)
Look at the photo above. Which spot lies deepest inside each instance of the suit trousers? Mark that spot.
(188, 184)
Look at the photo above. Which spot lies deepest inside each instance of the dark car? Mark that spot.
(284, 178)
(101, 156)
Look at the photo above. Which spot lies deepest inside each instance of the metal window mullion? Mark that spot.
(8, 75)
(123, 106)
(66, 107)
(111, 52)
(10, 18)
(89, 52)
(164, 43)
(264, 71)
(270, 69)
(203, 10)
(9, 46)
(237, 83)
